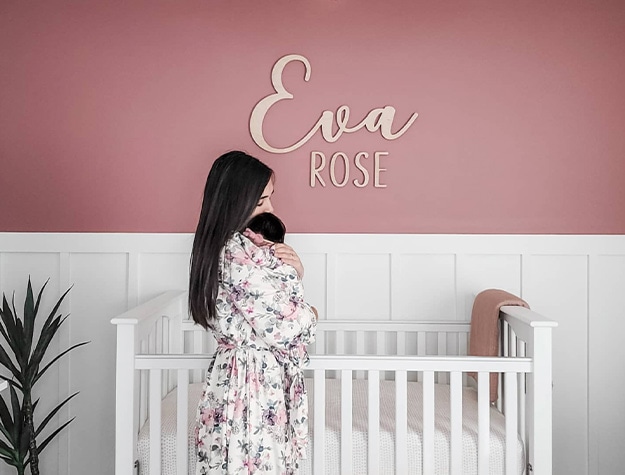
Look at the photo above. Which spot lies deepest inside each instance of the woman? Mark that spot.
(252, 417)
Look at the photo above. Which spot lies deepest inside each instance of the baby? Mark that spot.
(268, 228)
(265, 230)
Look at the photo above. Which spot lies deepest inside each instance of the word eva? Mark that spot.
(377, 119)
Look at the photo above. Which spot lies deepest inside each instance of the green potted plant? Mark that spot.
(22, 355)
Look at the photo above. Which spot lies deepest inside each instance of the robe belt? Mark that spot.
(293, 383)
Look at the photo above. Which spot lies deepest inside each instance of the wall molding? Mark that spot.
(560, 244)
(574, 279)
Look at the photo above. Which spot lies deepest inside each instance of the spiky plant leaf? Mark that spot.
(11, 422)
(39, 296)
(24, 361)
(19, 337)
(29, 326)
(6, 420)
(8, 313)
(45, 338)
(57, 357)
(17, 414)
(53, 413)
(3, 331)
(5, 360)
(58, 303)
(48, 331)
(29, 318)
(6, 454)
(5, 433)
(9, 331)
(51, 436)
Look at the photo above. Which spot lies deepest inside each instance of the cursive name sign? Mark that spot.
(377, 119)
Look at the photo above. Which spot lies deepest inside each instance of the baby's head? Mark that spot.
(269, 226)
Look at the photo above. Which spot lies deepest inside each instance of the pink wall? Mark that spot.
(112, 112)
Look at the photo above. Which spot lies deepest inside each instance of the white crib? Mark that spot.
(364, 379)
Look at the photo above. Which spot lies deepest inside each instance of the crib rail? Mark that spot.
(366, 337)
(158, 350)
(372, 366)
(151, 327)
(525, 332)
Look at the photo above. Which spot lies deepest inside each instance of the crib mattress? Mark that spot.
(359, 437)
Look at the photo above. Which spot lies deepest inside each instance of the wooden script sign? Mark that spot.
(378, 119)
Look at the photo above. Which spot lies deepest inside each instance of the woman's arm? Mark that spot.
(280, 318)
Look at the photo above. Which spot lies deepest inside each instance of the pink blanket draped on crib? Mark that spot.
(484, 335)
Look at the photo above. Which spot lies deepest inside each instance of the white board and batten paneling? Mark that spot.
(576, 280)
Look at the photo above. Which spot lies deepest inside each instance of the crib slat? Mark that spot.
(511, 422)
(182, 449)
(155, 421)
(401, 422)
(360, 342)
(441, 350)
(144, 396)
(442, 344)
(500, 390)
(167, 377)
(158, 336)
(428, 422)
(513, 342)
(521, 399)
(455, 343)
(501, 350)
(380, 344)
(401, 343)
(151, 342)
(360, 349)
(346, 421)
(463, 339)
(483, 417)
(373, 437)
(506, 332)
(340, 342)
(319, 395)
(421, 342)
(455, 400)
(421, 347)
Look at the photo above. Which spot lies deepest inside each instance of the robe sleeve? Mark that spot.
(278, 315)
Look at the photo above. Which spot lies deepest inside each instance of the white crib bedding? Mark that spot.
(359, 417)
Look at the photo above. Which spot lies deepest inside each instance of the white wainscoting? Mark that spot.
(576, 280)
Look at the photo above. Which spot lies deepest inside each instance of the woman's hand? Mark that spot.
(287, 255)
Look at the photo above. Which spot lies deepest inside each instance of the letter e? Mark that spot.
(377, 169)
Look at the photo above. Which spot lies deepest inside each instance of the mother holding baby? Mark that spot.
(252, 417)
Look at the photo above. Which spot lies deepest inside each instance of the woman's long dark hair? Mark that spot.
(233, 189)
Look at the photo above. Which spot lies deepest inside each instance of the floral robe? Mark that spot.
(253, 414)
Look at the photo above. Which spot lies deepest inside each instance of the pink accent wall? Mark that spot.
(112, 112)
